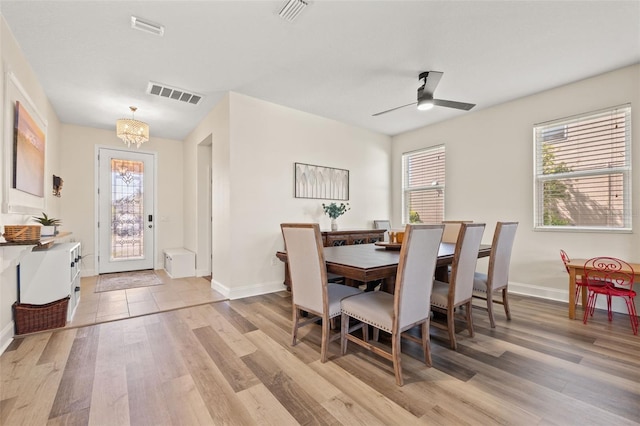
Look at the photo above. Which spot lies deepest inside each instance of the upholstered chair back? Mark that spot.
(464, 263)
(307, 269)
(414, 280)
(500, 258)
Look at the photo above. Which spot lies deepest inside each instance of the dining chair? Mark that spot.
(452, 229)
(310, 291)
(446, 297)
(580, 284)
(611, 277)
(382, 224)
(497, 276)
(407, 307)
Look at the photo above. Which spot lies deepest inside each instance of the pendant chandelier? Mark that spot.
(132, 131)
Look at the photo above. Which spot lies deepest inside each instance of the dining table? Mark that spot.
(365, 263)
(577, 268)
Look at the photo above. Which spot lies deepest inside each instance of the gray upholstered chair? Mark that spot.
(309, 287)
(446, 297)
(497, 276)
(452, 229)
(382, 224)
(408, 307)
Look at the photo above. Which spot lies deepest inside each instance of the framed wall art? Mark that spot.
(25, 131)
(321, 182)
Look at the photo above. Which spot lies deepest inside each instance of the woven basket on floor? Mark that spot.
(21, 233)
(31, 318)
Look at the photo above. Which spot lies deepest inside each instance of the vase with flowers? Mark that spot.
(334, 211)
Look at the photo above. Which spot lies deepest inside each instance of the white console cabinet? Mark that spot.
(51, 274)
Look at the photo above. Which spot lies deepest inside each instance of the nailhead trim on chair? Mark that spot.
(381, 327)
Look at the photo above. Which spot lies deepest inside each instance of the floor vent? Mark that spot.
(174, 93)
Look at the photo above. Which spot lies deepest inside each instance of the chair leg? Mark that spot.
(505, 303)
(591, 302)
(467, 308)
(492, 320)
(397, 359)
(633, 315)
(426, 343)
(344, 330)
(609, 311)
(365, 332)
(376, 334)
(451, 327)
(296, 320)
(324, 348)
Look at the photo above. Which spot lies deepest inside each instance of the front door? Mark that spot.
(126, 209)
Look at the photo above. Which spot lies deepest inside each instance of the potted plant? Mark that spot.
(334, 211)
(49, 225)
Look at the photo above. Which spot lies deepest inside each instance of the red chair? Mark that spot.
(611, 277)
(579, 282)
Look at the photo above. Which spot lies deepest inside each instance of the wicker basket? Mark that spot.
(32, 318)
(21, 233)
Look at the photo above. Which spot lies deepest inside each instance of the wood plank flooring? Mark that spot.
(231, 363)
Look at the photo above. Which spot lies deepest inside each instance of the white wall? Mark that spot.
(265, 140)
(78, 209)
(489, 175)
(14, 61)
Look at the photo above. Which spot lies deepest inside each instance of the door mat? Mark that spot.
(126, 280)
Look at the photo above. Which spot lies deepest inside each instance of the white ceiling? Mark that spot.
(343, 60)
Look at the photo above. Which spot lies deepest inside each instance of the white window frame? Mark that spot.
(550, 131)
(434, 186)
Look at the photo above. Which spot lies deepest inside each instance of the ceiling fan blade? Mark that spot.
(432, 80)
(453, 104)
(392, 109)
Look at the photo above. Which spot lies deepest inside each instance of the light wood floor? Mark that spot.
(231, 363)
(113, 305)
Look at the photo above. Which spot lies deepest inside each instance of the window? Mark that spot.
(423, 185)
(583, 171)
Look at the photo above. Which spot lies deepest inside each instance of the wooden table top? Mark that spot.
(366, 256)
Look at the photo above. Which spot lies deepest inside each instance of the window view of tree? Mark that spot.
(423, 185)
(583, 170)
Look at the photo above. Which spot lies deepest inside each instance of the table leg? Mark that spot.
(572, 293)
(389, 284)
(442, 273)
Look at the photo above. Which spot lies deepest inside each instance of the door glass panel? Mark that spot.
(127, 217)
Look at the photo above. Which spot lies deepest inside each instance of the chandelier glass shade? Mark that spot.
(132, 131)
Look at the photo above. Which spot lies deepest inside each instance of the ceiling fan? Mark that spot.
(429, 81)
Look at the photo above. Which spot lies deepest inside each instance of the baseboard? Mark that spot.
(247, 291)
(6, 336)
(562, 295)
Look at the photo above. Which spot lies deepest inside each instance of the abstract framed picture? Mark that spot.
(321, 182)
(28, 153)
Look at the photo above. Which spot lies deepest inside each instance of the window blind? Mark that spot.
(583, 171)
(423, 185)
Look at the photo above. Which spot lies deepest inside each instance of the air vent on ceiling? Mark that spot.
(291, 9)
(147, 26)
(174, 93)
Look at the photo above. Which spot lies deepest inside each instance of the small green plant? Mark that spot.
(334, 211)
(47, 221)
(414, 217)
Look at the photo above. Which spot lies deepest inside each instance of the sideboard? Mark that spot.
(341, 238)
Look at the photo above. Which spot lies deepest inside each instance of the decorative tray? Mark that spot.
(389, 246)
